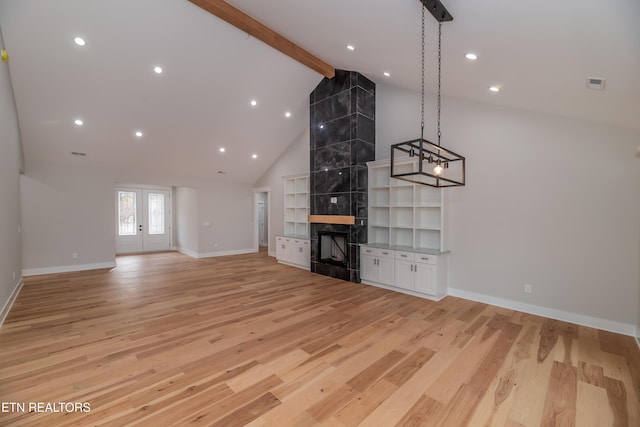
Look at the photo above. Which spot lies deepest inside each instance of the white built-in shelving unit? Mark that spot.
(404, 215)
(296, 206)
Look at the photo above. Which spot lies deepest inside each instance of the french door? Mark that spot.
(143, 219)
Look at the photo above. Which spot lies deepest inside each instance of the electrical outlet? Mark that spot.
(334, 200)
(528, 288)
(74, 255)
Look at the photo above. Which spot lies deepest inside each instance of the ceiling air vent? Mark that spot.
(595, 83)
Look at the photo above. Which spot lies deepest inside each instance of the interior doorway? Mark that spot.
(261, 209)
(143, 220)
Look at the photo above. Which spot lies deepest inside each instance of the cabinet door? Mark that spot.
(426, 278)
(280, 249)
(404, 274)
(385, 271)
(289, 248)
(300, 255)
(368, 268)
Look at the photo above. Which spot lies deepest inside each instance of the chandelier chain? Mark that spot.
(439, 75)
(422, 75)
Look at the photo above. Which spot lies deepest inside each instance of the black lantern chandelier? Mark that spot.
(429, 164)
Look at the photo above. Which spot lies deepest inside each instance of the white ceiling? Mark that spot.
(538, 52)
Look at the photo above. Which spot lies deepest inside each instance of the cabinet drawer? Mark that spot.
(404, 256)
(279, 239)
(364, 250)
(386, 253)
(426, 259)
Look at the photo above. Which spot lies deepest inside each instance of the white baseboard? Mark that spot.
(565, 316)
(192, 254)
(214, 254)
(10, 301)
(226, 253)
(67, 268)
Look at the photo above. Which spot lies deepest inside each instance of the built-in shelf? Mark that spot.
(404, 215)
(296, 205)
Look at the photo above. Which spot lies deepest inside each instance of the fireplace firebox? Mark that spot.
(333, 248)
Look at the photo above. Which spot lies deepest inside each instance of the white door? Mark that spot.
(426, 278)
(143, 219)
(368, 267)
(262, 235)
(404, 274)
(386, 267)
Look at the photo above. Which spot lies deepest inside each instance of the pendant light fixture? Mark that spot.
(419, 160)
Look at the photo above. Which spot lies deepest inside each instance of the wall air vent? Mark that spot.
(595, 83)
(76, 153)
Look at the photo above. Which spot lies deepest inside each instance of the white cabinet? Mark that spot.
(405, 276)
(416, 273)
(296, 205)
(403, 214)
(377, 265)
(301, 254)
(293, 251)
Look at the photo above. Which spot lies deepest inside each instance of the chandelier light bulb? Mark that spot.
(437, 170)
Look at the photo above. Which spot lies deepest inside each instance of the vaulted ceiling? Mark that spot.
(538, 53)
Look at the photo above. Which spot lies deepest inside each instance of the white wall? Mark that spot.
(228, 209)
(71, 209)
(10, 163)
(186, 220)
(549, 201)
(294, 160)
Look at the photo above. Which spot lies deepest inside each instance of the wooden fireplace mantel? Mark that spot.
(332, 219)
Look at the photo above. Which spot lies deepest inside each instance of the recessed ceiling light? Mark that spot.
(79, 41)
(471, 56)
(494, 89)
(139, 134)
(78, 122)
(255, 156)
(386, 74)
(287, 114)
(222, 149)
(351, 47)
(321, 126)
(158, 70)
(254, 102)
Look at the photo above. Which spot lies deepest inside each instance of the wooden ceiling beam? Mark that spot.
(244, 22)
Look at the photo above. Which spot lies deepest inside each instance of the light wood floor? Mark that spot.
(165, 339)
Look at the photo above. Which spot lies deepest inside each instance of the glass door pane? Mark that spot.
(156, 213)
(127, 213)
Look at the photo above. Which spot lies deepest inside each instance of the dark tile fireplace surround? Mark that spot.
(342, 140)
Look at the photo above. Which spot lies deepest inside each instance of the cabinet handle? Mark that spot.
(403, 256)
(415, 268)
(299, 249)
